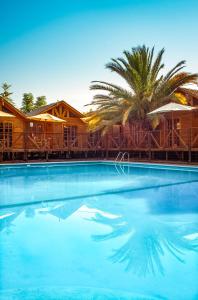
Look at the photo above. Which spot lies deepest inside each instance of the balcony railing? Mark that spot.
(181, 139)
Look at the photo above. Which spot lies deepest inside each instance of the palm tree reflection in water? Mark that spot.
(148, 241)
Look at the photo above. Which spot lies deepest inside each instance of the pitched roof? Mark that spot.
(45, 108)
(41, 109)
(11, 107)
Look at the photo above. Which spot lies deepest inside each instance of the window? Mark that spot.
(70, 136)
(6, 134)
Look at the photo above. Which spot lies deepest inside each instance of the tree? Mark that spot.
(40, 101)
(147, 89)
(6, 92)
(27, 102)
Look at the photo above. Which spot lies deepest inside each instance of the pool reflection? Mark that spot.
(149, 237)
(148, 240)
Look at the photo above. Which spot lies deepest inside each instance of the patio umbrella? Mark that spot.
(6, 115)
(171, 107)
(47, 118)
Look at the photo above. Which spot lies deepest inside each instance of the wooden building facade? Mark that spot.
(56, 136)
(22, 136)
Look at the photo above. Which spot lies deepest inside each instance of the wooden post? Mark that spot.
(25, 156)
(172, 131)
(189, 146)
(107, 146)
(182, 155)
(25, 147)
(107, 154)
(47, 155)
(166, 155)
(149, 143)
(65, 154)
(140, 155)
(68, 154)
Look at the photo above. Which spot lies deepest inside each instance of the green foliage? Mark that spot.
(40, 101)
(27, 102)
(6, 92)
(147, 88)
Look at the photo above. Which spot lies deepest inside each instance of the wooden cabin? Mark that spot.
(176, 130)
(57, 136)
(22, 133)
(179, 130)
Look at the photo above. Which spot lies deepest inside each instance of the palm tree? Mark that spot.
(147, 89)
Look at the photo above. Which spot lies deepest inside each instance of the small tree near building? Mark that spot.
(27, 102)
(7, 93)
(40, 101)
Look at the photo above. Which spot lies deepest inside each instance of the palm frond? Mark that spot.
(147, 88)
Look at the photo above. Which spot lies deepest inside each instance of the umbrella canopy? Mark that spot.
(47, 118)
(6, 115)
(171, 107)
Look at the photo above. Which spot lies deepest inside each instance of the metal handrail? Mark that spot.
(122, 155)
(118, 156)
(121, 167)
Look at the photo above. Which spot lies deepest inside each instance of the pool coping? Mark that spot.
(110, 162)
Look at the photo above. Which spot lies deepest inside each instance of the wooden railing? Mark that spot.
(183, 139)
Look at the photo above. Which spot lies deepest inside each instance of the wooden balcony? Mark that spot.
(155, 140)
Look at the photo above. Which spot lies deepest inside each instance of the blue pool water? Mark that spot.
(98, 231)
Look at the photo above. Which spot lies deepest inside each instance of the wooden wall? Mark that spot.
(51, 136)
(73, 119)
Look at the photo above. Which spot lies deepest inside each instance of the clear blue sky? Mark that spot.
(56, 47)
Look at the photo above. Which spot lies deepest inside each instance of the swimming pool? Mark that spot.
(96, 230)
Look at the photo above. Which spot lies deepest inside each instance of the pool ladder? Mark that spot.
(121, 169)
(121, 156)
